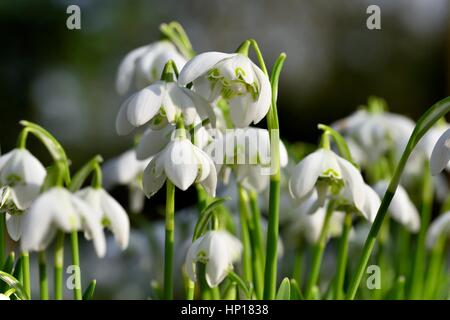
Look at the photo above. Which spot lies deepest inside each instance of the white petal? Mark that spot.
(14, 226)
(284, 158)
(199, 65)
(123, 126)
(305, 174)
(210, 182)
(243, 110)
(352, 177)
(118, 219)
(152, 180)
(122, 170)
(264, 101)
(153, 141)
(181, 165)
(145, 104)
(371, 205)
(127, 68)
(203, 107)
(440, 154)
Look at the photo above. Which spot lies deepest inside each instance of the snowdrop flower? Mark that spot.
(144, 65)
(438, 228)
(440, 154)
(218, 250)
(23, 174)
(183, 164)
(235, 78)
(376, 132)
(127, 170)
(109, 213)
(371, 204)
(328, 174)
(160, 103)
(401, 208)
(58, 209)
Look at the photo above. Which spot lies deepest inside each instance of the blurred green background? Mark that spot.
(65, 80)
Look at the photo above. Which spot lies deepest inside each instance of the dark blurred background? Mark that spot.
(65, 79)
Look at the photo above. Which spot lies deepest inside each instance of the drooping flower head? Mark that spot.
(218, 250)
(233, 77)
(144, 65)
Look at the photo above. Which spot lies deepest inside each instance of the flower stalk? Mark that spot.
(169, 240)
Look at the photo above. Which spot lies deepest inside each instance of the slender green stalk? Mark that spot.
(298, 265)
(256, 217)
(59, 264)
(2, 239)
(43, 282)
(245, 235)
(342, 257)
(403, 242)
(169, 240)
(77, 292)
(26, 272)
(399, 293)
(190, 290)
(434, 269)
(418, 270)
(317, 254)
(270, 271)
(429, 118)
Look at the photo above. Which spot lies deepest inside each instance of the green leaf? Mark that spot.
(296, 293)
(241, 283)
(205, 215)
(89, 292)
(18, 271)
(8, 267)
(53, 146)
(284, 291)
(15, 284)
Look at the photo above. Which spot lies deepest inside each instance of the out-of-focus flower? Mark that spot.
(160, 103)
(218, 250)
(144, 65)
(401, 208)
(182, 163)
(440, 154)
(109, 213)
(58, 209)
(233, 77)
(439, 227)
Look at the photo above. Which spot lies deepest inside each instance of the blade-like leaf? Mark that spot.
(89, 292)
(296, 293)
(284, 291)
(15, 284)
(205, 215)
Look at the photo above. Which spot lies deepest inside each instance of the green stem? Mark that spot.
(318, 251)
(342, 257)
(418, 271)
(270, 271)
(245, 236)
(434, 269)
(43, 282)
(298, 265)
(59, 264)
(169, 240)
(256, 215)
(77, 293)
(2, 239)
(256, 245)
(403, 251)
(26, 272)
(190, 290)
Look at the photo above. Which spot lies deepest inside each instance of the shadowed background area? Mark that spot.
(65, 79)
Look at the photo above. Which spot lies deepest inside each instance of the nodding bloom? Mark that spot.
(401, 209)
(376, 132)
(23, 174)
(59, 210)
(331, 176)
(438, 228)
(182, 163)
(218, 250)
(126, 170)
(161, 103)
(109, 213)
(247, 151)
(144, 65)
(233, 77)
(440, 154)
